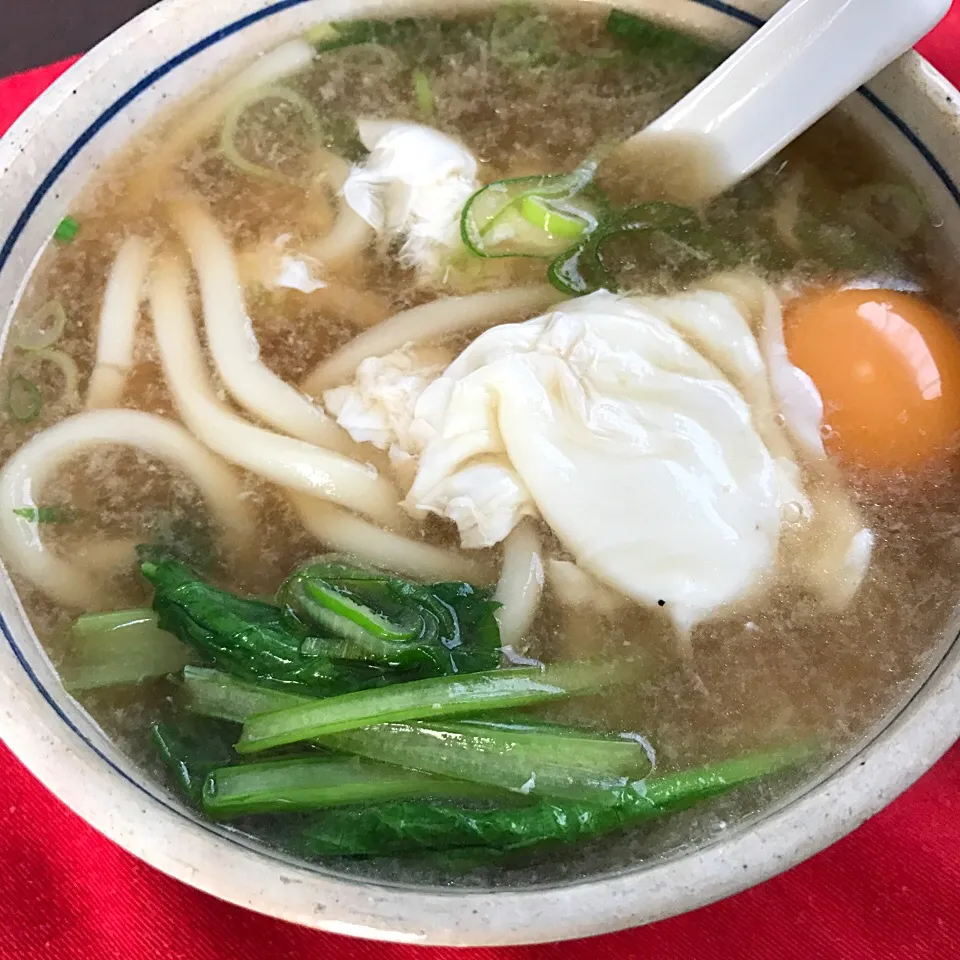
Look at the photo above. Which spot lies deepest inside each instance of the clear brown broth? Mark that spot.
(784, 672)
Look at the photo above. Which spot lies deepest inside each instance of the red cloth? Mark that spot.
(890, 891)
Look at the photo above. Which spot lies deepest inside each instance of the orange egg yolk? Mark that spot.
(887, 366)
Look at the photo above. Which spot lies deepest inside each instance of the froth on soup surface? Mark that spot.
(704, 458)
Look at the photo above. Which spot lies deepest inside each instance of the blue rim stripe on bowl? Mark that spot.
(125, 100)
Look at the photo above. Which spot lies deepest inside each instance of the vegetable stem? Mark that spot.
(435, 697)
(212, 693)
(409, 827)
(123, 647)
(311, 783)
(528, 762)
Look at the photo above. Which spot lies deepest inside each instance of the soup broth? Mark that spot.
(528, 93)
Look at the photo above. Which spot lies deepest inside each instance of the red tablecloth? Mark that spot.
(890, 891)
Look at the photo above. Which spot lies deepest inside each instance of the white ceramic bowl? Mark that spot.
(45, 160)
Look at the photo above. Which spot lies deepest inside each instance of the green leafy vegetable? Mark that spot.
(411, 827)
(338, 628)
(24, 400)
(435, 697)
(191, 751)
(67, 230)
(531, 761)
(662, 43)
(311, 783)
(45, 514)
(354, 613)
(127, 646)
(247, 638)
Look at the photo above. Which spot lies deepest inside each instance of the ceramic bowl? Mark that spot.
(45, 160)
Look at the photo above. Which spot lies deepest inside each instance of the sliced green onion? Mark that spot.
(323, 36)
(551, 220)
(67, 230)
(435, 697)
(120, 648)
(231, 123)
(334, 35)
(212, 693)
(68, 368)
(423, 94)
(529, 762)
(43, 329)
(24, 400)
(45, 514)
(502, 219)
(312, 783)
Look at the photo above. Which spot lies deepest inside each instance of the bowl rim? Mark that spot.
(825, 810)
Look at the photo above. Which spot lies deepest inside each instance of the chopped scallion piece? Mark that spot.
(43, 329)
(423, 94)
(349, 33)
(24, 400)
(551, 220)
(44, 514)
(516, 217)
(232, 122)
(67, 230)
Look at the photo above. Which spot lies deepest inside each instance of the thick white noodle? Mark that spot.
(359, 308)
(292, 463)
(25, 473)
(233, 343)
(578, 590)
(346, 533)
(349, 236)
(284, 61)
(118, 324)
(521, 582)
(439, 318)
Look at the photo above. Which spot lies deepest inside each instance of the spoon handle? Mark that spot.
(804, 61)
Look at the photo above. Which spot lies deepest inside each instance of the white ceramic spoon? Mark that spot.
(804, 61)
